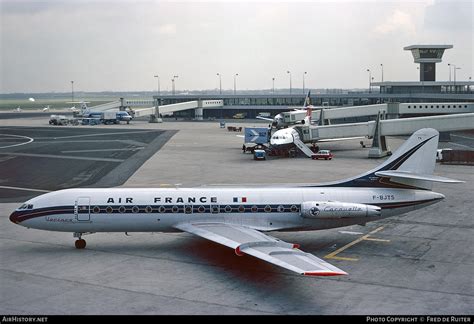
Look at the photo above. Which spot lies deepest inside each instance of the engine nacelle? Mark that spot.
(337, 209)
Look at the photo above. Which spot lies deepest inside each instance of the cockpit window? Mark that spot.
(26, 206)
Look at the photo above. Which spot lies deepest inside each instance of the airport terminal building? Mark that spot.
(426, 90)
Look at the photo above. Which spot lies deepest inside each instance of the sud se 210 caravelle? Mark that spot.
(237, 216)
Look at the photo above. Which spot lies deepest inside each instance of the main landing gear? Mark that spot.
(80, 242)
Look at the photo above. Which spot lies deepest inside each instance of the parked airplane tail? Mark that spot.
(411, 166)
(308, 106)
(307, 100)
(84, 108)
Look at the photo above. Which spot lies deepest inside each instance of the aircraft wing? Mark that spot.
(249, 241)
(264, 118)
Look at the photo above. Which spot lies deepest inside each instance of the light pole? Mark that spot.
(220, 83)
(449, 66)
(370, 80)
(72, 91)
(455, 68)
(303, 81)
(158, 79)
(290, 79)
(273, 85)
(235, 87)
(175, 77)
(382, 70)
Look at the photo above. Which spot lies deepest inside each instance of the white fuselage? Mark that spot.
(159, 210)
(284, 137)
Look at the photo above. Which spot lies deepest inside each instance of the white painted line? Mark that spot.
(97, 134)
(24, 189)
(461, 145)
(352, 233)
(65, 157)
(105, 150)
(461, 136)
(17, 136)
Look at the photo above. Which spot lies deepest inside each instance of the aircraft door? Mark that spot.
(82, 209)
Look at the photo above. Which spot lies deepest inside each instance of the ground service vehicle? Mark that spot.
(111, 117)
(259, 155)
(322, 154)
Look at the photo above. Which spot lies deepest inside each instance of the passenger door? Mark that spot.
(82, 209)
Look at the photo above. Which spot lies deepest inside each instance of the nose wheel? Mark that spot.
(80, 242)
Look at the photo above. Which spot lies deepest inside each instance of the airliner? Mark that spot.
(279, 121)
(241, 217)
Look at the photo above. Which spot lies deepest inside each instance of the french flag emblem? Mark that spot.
(240, 199)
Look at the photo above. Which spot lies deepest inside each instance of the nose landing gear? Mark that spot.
(80, 242)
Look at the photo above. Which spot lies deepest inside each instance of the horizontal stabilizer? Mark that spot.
(414, 176)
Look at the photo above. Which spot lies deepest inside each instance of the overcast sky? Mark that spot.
(121, 45)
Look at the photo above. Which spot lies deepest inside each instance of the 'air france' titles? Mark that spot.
(166, 200)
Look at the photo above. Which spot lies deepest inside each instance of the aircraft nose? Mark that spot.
(15, 217)
(439, 196)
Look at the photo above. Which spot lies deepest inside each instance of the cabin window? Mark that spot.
(96, 209)
(188, 209)
(228, 209)
(148, 209)
(254, 209)
(122, 209)
(109, 209)
(281, 209)
(294, 209)
(201, 209)
(215, 209)
(175, 209)
(135, 209)
(241, 209)
(162, 209)
(268, 209)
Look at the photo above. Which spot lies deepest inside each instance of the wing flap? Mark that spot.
(249, 241)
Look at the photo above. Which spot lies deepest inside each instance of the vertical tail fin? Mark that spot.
(308, 106)
(307, 100)
(411, 166)
(84, 108)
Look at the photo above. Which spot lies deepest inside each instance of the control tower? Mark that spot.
(427, 56)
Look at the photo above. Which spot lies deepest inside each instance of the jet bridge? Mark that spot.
(199, 105)
(117, 104)
(390, 127)
(323, 114)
